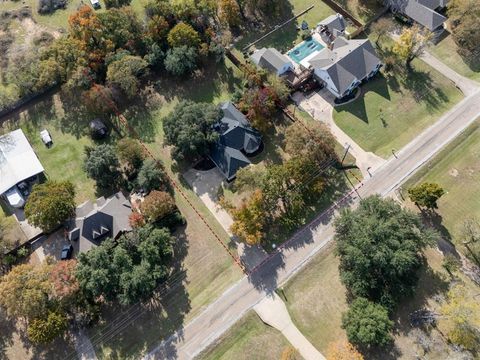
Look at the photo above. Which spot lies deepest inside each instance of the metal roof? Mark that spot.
(18, 161)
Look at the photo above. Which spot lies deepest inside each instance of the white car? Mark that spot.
(46, 138)
(15, 197)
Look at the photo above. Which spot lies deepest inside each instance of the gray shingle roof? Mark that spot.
(270, 59)
(421, 11)
(236, 139)
(105, 218)
(347, 61)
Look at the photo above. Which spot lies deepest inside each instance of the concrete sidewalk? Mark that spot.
(272, 311)
(465, 85)
(83, 346)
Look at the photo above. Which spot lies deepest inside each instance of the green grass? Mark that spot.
(457, 170)
(248, 339)
(315, 299)
(362, 10)
(395, 108)
(447, 51)
(286, 37)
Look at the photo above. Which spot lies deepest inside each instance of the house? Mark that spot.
(344, 64)
(425, 12)
(237, 140)
(19, 167)
(95, 221)
(335, 24)
(272, 60)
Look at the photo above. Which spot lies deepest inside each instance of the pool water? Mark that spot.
(306, 48)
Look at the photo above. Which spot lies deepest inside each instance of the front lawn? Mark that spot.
(447, 51)
(248, 339)
(394, 108)
(457, 170)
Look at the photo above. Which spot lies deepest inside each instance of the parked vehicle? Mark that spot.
(67, 252)
(46, 138)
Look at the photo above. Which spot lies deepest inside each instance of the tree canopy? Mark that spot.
(45, 329)
(189, 129)
(379, 245)
(129, 270)
(50, 204)
(125, 73)
(101, 164)
(181, 60)
(157, 205)
(183, 34)
(411, 43)
(426, 194)
(152, 176)
(367, 324)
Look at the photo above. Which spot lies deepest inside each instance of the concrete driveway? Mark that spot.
(320, 107)
(206, 185)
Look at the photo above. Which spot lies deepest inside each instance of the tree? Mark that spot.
(249, 219)
(451, 264)
(152, 176)
(50, 204)
(249, 178)
(426, 194)
(260, 106)
(136, 219)
(98, 99)
(125, 73)
(128, 271)
(342, 350)
(24, 291)
(379, 246)
(181, 60)
(45, 330)
(157, 205)
(183, 34)
(189, 128)
(64, 282)
(411, 43)
(101, 164)
(229, 13)
(315, 143)
(131, 152)
(463, 16)
(278, 87)
(381, 28)
(367, 324)
(461, 317)
(116, 3)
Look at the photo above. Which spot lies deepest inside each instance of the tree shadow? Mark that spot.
(7, 328)
(423, 90)
(130, 331)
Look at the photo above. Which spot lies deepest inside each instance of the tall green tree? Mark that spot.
(426, 194)
(129, 270)
(189, 129)
(152, 176)
(379, 245)
(50, 204)
(183, 34)
(101, 164)
(126, 72)
(130, 152)
(181, 60)
(367, 324)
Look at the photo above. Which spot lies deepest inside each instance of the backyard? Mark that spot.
(456, 169)
(248, 339)
(396, 106)
(447, 51)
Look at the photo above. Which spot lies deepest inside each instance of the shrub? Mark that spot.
(43, 331)
(157, 205)
(49, 6)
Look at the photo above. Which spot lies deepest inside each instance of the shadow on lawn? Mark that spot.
(318, 213)
(130, 331)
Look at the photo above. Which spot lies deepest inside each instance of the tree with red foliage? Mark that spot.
(62, 276)
(136, 220)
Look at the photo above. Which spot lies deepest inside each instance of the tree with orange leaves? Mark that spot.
(342, 350)
(249, 219)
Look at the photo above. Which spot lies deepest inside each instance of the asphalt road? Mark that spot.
(241, 297)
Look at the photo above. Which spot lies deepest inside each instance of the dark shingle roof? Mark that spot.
(421, 11)
(335, 24)
(236, 138)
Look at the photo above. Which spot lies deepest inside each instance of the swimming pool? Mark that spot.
(306, 48)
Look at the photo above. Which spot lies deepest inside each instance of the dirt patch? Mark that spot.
(453, 172)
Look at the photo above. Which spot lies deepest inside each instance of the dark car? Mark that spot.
(98, 129)
(67, 251)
